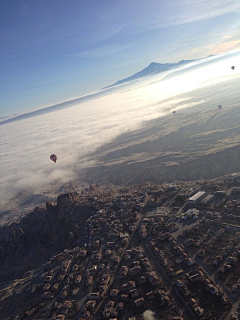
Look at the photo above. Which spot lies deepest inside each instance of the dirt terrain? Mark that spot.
(201, 144)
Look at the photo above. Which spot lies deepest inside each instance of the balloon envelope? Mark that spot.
(232, 67)
(220, 107)
(174, 112)
(53, 157)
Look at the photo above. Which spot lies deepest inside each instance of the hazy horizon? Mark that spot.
(77, 132)
(113, 88)
(54, 51)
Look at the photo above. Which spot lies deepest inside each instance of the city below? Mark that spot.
(115, 252)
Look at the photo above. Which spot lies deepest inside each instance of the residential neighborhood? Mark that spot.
(172, 249)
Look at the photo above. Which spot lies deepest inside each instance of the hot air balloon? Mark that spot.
(174, 112)
(220, 107)
(53, 157)
(232, 67)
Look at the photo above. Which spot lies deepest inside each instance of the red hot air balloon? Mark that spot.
(53, 157)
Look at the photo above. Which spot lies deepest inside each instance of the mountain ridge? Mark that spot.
(152, 68)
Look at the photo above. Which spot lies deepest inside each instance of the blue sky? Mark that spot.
(51, 51)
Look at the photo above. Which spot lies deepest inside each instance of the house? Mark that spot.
(82, 253)
(139, 302)
(114, 312)
(224, 300)
(102, 289)
(104, 280)
(192, 302)
(170, 271)
(134, 293)
(78, 279)
(47, 295)
(164, 236)
(147, 265)
(46, 277)
(194, 276)
(114, 292)
(142, 279)
(190, 262)
(63, 294)
(212, 289)
(125, 297)
(123, 272)
(190, 242)
(150, 295)
(201, 253)
(192, 213)
(89, 281)
(120, 306)
(46, 287)
(199, 311)
(236, 287)
(55, 287)
(110, 304)
(179, 283)
(67, 305)
(90, 305)
(129, 285)
(135, 270)
(217, 260)
(86, 315)
(95, 296)
(165, 300)
(107, 312)
(154, 279)
(60, 317)
(185, 291)
(75, 267)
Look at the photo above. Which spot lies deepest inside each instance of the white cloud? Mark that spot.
(104, 51)
(225, 46)
(197, 10)
(170, 13)
(76, 133)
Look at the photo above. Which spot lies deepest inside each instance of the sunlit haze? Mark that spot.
(76, 132)
(53, 51)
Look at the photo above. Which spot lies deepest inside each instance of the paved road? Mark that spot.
(180, 302)
(118, 268)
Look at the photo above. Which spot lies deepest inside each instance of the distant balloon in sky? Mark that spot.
(220, 107)
(232, 67)
(53, 157)
(174, 112)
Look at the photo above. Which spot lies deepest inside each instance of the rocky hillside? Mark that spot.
(28, 243)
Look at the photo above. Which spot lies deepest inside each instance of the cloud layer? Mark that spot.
(75, 133)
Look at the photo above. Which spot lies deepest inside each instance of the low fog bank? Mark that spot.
(198, 144)
(125, 136)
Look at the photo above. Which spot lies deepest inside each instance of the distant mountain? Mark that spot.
(153, 68)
